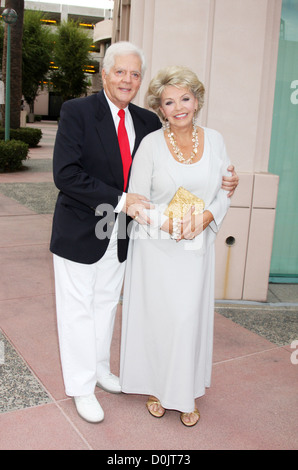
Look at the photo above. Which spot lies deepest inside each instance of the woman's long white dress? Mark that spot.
(168, 302)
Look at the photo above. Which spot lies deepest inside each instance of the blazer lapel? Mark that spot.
(107, 133)
(108, 136)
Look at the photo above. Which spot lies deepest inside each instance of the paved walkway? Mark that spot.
(253, 401)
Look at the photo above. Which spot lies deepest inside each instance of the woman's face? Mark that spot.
(178, 106)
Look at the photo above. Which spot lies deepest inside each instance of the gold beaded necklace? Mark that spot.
(177, 151)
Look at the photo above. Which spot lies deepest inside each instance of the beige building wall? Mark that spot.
(232, 45)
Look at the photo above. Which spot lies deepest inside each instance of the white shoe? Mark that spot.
(109, 383)
(89, 409)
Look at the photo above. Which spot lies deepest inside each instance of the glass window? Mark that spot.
(284, 149)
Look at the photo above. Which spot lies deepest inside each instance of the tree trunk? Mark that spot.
(16, 62)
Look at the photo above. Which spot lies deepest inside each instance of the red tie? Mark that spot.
(124, 146)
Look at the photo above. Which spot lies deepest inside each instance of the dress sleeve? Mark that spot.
(221, 203)
(140, 183)
(141, 170)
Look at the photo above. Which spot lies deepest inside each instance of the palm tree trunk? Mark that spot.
(16, 62)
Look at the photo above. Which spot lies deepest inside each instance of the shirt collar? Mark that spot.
(114, 109)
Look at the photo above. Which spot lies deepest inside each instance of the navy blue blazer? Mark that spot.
(87, 170)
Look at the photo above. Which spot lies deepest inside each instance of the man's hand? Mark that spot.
(134, 207)
(230, 183)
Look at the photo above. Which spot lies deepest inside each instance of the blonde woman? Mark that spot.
(168, 305)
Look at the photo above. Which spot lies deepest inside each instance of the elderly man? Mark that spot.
(95, 144)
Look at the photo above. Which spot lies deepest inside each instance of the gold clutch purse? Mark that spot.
(181, 203)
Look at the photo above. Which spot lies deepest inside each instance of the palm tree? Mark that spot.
(16, 62)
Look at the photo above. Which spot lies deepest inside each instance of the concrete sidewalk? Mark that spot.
(253, 401)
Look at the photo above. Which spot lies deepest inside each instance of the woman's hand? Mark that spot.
(194, 224)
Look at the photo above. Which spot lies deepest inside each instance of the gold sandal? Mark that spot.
(154, 401)
(184, 415)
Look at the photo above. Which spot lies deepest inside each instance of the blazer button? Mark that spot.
(111, 224)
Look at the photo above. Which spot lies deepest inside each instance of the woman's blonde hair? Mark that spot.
(178, 76)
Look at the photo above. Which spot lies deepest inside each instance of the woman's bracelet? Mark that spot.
(176, 232)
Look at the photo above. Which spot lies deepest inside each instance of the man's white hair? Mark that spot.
(122, 48)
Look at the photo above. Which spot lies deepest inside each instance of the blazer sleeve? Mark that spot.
(70, 175)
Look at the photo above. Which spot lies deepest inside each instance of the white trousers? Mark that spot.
(86, 301)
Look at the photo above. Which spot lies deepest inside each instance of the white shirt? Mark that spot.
(128, 122)
(130, 133)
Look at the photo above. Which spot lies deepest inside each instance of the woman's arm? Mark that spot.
(193, 225)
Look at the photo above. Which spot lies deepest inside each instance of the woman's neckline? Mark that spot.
(181, 163)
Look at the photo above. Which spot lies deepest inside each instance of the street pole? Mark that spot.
(10, 17)
(7, 90)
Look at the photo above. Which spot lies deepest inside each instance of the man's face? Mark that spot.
(124, 80)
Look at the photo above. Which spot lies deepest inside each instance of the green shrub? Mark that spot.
(25, 134)
(12, 153)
